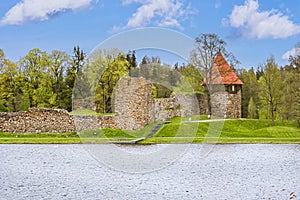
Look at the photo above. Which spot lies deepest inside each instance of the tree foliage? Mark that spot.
(252, 113)
(270, 88)
(105, 70)
(250, 89)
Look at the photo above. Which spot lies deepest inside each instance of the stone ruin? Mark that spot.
(134, 108)
(37, 120)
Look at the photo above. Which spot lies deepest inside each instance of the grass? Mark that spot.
(42, 138)
(179, 130)
(233, 131)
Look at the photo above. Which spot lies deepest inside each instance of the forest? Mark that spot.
(41, 79)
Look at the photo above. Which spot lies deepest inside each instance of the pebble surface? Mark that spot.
(256, 171)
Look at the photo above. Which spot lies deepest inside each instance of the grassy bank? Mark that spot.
(232, 131)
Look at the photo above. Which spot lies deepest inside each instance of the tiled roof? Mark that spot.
(222, 73)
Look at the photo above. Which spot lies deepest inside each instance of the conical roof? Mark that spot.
(222, 73)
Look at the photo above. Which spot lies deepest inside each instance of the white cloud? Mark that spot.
(166, 13)
(252, 23)
(40, 10)
(293, 52)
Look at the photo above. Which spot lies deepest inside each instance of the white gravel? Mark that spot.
(228, 172)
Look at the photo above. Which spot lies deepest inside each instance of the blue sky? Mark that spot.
(254, 30)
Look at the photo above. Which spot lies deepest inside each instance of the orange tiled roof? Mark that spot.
(222, 73)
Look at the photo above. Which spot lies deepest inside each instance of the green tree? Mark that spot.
(290, 84)
(131, 58)
(194, 77)
(105, 69)
(76, 80)
(60, 62)
(34, 66)
(250, 89)
(11, 86)
(252, 109)
(294, 69)
(270, 88)
(297, 105)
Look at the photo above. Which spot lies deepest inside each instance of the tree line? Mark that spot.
(271, 91)
(41, 79)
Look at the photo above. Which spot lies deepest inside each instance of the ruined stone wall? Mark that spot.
(166, 108)
(133, 103)
(202, 101)
(189, 104)
(37, 120)
(88, 122)
(81, 104)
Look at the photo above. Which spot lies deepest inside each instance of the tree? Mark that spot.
(252, 109)
(78, 60)
(34, 66)
(290, 84)
(295, 59)
(270, 87)
(250, 89)
(105, 69)
(145, 60)
(2, 59)
(76, 79)
(295, 70)
(11, 86)
(297, 105)
(59, 63)
(193, 76)
(131, 58)
(207, 46)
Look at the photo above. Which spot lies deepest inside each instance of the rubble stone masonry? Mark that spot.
(37, 120)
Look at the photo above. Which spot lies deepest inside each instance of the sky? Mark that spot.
(254, 30)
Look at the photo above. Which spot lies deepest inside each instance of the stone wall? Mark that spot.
(133, 103)
(234, 105)
(189, 104)
(226, 103)
(218, 103)
(166, 108)
(85, 122)
(202, 101)
(37, 120)
(134, 108)
(81, 104)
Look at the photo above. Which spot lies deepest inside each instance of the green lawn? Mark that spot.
(233, 131)
(177, 131)
(43, 138)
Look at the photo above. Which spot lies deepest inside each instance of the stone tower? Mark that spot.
(225, 90)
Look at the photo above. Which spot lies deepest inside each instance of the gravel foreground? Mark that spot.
(254, 171)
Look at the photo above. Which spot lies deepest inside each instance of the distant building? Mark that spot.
(225, 90)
